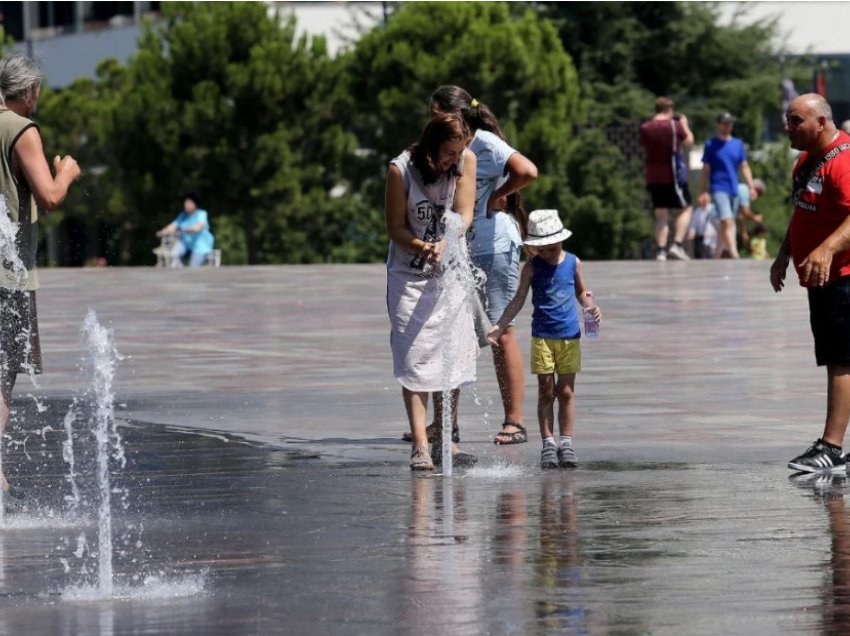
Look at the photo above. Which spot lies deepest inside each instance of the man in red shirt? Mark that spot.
(658, 136)
(818, 241)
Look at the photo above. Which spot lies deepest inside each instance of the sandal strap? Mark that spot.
(515, 425)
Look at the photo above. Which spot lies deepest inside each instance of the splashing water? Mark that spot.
(154, 587)
(103, 358)
(502, 469)
(460, 280)
(9, 256)
(73, 500)
(15, 276)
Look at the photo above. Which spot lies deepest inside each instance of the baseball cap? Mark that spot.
(725, 117)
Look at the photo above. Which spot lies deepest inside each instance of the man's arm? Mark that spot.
(748, 179)
(816, 266)
(49, 191)
(689, 136)
(780, 264)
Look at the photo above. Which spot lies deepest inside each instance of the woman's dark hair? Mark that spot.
(193, 197)
(453, 99)
(478, 116)
(425, 152)
(521, 216)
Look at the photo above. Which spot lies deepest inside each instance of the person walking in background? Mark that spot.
(495, 238)
(818, 242)
(744, 212)
(555, 278)
(432, 334)
(662, 137)
(723, 156)
(26, 184)
(195, 240)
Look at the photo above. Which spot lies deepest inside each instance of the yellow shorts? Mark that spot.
(550, 355)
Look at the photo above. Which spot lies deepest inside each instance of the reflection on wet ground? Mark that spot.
(235, 538)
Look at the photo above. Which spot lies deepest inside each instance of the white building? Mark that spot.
(71, 38)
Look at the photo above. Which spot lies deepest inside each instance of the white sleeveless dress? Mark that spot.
(432, 333)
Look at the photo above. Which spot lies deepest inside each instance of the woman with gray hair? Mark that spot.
(26, 184)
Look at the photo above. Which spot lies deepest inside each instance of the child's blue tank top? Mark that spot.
(553, 293)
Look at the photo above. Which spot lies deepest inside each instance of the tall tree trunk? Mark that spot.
(250, 235)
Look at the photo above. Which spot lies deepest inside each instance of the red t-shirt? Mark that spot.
(656, 136)
(824, 204)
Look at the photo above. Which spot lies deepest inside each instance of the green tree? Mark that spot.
(513, 62)
(72, 121)
(773, 164)
(628, 53)
(225, 99)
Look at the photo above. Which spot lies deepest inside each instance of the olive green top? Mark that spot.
(19, 205)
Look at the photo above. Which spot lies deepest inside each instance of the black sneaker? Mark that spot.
(567, 457)
(549, 456)
(820, 458)
(460, 459)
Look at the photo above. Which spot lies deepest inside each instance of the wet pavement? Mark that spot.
(266, 490)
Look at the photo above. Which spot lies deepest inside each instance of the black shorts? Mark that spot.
(665, 196)
(829, 315)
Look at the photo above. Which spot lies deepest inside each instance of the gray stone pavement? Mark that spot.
(266, 490)
(694, 359)
(697, 361)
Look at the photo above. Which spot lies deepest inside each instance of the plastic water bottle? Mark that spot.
(591, 324)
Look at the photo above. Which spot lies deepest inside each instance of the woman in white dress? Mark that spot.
(430, 186)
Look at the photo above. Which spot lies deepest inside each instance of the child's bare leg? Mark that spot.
(566, 404)
(546, 404)
(416, 405)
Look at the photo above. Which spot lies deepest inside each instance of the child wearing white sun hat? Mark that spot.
(556, 280)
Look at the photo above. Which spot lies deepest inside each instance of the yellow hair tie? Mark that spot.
(474, 103)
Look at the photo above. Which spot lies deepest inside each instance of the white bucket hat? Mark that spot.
(545, 228)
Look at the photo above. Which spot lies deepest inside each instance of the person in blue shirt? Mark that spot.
(195, 242)
(721, 159)
(555, 279)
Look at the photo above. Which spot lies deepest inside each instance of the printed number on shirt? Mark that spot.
(424, 210)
